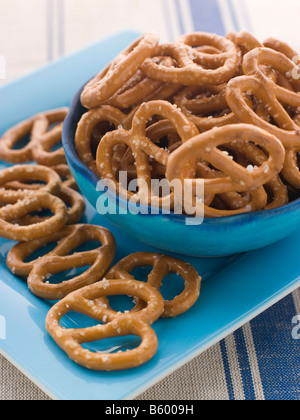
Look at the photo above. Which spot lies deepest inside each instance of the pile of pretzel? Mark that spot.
(42, 210)
(223, 111)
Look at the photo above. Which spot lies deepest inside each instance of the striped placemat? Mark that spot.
(260, 361)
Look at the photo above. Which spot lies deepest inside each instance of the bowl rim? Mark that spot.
(72, 156)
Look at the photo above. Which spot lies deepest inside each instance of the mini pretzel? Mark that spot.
(16, 208)
(45, 138)
(66, 176)
(238, 179)
(85, 301)
(59, 260)
(14, 180)
(244, 41)
(282, 64)
(234, 202)
(138, 88)
(67, 239)
(109, 81)
(288, 131)
(290, 171)
(87, 125)
(192, 66)
(75, 208)
(17, 133)
(163, 265)
(141, 146)
(257, 157)
(192, 107)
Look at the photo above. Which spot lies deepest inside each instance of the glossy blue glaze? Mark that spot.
(215, 237)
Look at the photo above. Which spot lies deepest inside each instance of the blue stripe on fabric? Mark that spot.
(166, 12)
(278, 354)
(227, 370)
(207, 16)
(245, 368)
(180, 19)
(233, 15)
(49, 29)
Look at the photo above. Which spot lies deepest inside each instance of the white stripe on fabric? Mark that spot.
(187, 16)
(226, 15)
(239, 14)
(255, 372)
(50, 28)
(233, 361)
(173, 19)
(296, 298)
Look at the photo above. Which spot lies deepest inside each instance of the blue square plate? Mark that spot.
(235, 289)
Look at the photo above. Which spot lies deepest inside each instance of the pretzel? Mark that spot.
(191, 105)
(237, 179)
(85, 301)
(244, 41)
(87, 125)
(140, 87)
(257, 157)
(288, 131)
(261, 57)
(66, 176)
(163, 265)
(290, 171)
(192, 66)
(14, 180)
(16, 208)
(59, 260)
(233, 202)
(67, 240)
(74, 202)
(111, 79)
(141, 146)
(282, 47)
(20, 131)
(45, 138)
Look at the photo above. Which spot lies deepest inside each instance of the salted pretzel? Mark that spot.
(87, 125)
(256, 157)
(291, 171)
(65, 240)
(257, 59)
(15, 208)
(232, 203)
(244, 41)
(18, 180)
(213, 101)
(238, 179)
(45, 137)
(59, 260)
(239, 88)
(66, 176)
(85, 301)
(74, 202)
(23, 131)
(140, 87)
(194, 68)
(163, 265)
(111, 79)
(141, 146)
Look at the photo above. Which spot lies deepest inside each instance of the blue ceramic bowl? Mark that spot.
(214, 237)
